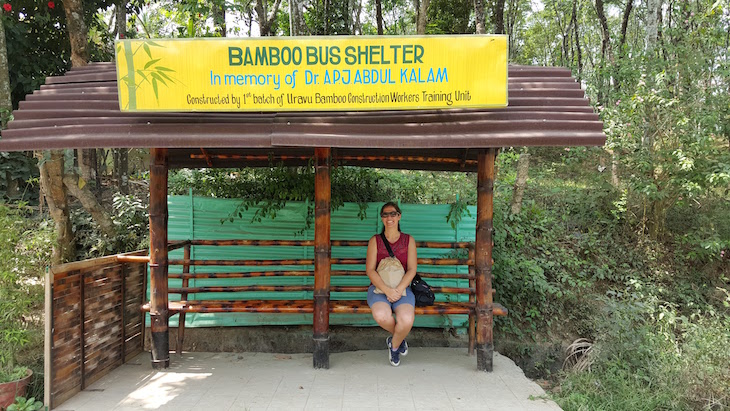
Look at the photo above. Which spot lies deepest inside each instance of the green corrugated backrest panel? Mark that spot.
(200, 218)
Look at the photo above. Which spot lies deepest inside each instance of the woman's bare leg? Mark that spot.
(405, 314)
(383, 315)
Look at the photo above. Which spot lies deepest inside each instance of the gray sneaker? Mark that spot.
(402, 350)
(394, 357)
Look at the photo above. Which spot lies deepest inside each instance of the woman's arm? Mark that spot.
(412, 266)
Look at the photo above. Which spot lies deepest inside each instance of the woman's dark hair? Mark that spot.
(394, 205)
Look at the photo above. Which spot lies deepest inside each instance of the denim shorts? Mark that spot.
(373, 298)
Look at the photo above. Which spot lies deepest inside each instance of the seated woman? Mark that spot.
(398, 299)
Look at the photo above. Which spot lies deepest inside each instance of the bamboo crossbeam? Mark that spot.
(139, 259)
(408, 159)
(364, 288)
(243, 306)
(242, 262)
(395, 159)
(450, 276)
(174, 245)
(251, 274)
(247, 157)
(240, 288)
(310, 243)
(419, 244)
(285, 273)
(341, 261)
(258, 243)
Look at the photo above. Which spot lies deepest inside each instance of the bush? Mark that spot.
(131, 219)
(649, 357)
(25, 252)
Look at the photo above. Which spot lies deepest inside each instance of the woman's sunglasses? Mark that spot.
(390, 214)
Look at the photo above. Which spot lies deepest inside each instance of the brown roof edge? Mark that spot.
(79, 110)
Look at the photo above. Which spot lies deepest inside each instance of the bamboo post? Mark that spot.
(82, 327)
(123, 270)
(48, 340)
(322, 254)
(183, 296)
(158, 260)
(483, 263)
(472, 316)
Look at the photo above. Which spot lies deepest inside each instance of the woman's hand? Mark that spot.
(393, 294)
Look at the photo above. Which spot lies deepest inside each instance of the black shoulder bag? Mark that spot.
(421, 290)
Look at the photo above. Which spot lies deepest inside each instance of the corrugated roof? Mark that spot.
(80, 109)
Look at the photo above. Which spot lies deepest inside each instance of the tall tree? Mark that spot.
(379, 16)
(296, 18)
(422, 17)
(266, 17)
(6, 107)
(498, 16)
(481, 21)
(54, 179)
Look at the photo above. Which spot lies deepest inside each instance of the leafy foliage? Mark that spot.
(25, 404)
(272, 187)
(23, 257)
(131, 218)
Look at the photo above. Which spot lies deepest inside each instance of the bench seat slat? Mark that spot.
(239, 288)
(439, 308)
(240, 306)
(307, 307)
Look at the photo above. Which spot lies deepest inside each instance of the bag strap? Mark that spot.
(387, 245)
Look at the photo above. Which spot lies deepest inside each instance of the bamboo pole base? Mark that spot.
(485, 357)
(321, 357)
(160, 352)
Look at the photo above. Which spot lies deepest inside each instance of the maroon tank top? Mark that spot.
(400, 249)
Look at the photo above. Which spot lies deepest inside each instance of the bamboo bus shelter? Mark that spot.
(546, 107)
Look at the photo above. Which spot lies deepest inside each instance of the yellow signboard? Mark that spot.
(312, 73)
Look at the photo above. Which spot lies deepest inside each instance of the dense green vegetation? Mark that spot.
(24, 255)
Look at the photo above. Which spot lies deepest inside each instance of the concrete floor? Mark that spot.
(427, 379)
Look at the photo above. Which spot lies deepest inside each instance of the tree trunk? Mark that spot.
(481, 21)
(379, 16)
(605, 33)
(326, 17)
(122, 19)
(76, 32)
(296, 21)
(564, 34)
(54, 175)
(356, 10)
(652, 24)
(6, 102)
(625, 24)
(124, 170)
(423, 17)
(51, 165)
(498, 17)
(266, 19)
(578, 51)
(88, 201)
(523, 166)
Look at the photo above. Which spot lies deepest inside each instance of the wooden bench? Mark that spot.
(348, 287)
